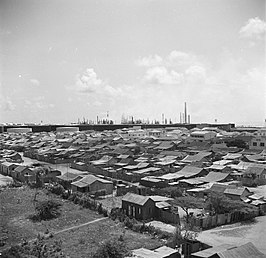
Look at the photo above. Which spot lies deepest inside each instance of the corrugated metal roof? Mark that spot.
(244, 251)
(135, 198)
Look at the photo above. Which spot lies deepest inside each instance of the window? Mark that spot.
(254, 144)
(262, 144)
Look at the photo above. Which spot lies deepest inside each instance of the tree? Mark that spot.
(239, 143)
(188, 202)
(112, 248)
(46, 210)
(221, 204)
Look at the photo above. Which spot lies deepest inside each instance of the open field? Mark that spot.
(80, 241)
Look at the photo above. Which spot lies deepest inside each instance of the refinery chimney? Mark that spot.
(185, 113)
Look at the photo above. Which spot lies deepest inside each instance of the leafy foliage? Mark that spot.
(36, 248)
(188, 202)
(112, 248)
(46, 210)
(220, 204)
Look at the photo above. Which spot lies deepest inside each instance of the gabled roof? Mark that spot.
(135, 198)
(20, 168)
(88, 180)
(209, 252)
(215, 177)
(235, 191)
(197, 157)
(68, 176)
(256, 170)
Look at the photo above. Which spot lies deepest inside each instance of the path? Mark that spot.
(78, 226)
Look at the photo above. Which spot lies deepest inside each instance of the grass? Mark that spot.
(17, 204)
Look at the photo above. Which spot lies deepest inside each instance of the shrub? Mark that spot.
(112, 249)
(46, 210)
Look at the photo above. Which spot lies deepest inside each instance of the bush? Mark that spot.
(46, 210)
(35, 248)
(56, 189)
(112, 249)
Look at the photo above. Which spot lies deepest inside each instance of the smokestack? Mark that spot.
(181, 118)
(185, 113)
(162, 118)
(189, 119)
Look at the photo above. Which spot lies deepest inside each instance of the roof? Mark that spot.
(232, 156)
(212, 251)
(189, 171)
(88, 180)
(20, 168)
(197, 157)
(135, 198)
(235, 191)
(215, 177)
(68, 176)
(145, 253)
(255, 170)
(244, 251)
(162, 205)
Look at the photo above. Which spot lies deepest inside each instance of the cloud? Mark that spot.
(160, 75)
(148, 61)
(255, 29)
(6, 104)
(35, 82)
(38, 103)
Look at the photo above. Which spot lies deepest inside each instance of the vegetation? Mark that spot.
(237, 143)
(37, 248)
(188, 202)
(113, 248)
(46, 210)
(220, 204)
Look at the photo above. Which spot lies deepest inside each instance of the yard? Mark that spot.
(17, 204)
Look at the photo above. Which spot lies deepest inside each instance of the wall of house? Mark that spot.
(147, 211)
(97, 185)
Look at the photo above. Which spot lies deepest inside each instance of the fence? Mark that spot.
(222, 219)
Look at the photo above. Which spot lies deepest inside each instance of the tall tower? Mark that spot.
(185, 113)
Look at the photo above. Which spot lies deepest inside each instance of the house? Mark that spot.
(23, 174)
(92, 184)
(202, 136)
(254, 175)
(149, 207)
(237, 193)
(258, 141)
(6, 168)
(67, 178)
(138, 206)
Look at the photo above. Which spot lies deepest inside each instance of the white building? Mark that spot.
(258, 142)
(201, 136)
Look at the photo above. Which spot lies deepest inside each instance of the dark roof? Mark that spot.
(20, 168)
(135, 198)
(244, 251)
(68, 176)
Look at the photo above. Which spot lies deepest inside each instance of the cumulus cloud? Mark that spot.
(160, 75)
(35, 82)
(39, 103)
(88, 81)
(255, 29)
(154, 60)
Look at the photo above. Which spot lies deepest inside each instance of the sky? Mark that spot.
(64, 60)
